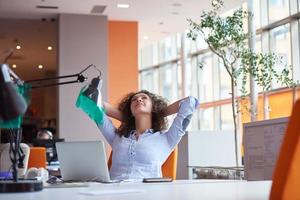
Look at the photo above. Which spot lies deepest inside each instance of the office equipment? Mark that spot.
(262, 141)
(286, 177)
(12, 107)
(83, 161)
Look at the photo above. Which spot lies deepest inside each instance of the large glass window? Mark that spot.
(191, 76)
(280, 44)
(206, 78)
(211, 84)
(226, 117)
(148, 56)
(168, 87)
(149, 80)
(256, 10)
(207, 119)
(278, 9)
(167, 49)
(225, 82)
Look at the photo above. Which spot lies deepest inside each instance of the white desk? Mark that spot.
(177, 190)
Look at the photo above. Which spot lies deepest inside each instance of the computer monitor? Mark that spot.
(50, 148)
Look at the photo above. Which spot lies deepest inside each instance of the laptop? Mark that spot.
(83, 161)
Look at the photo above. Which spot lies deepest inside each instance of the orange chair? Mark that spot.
(286, 177)
(169, 168)
(37, 157)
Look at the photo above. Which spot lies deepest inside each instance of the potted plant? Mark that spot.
(226, 37)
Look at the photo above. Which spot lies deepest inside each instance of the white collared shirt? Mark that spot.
(143, 158)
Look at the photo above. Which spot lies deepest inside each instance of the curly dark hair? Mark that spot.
(159, 122)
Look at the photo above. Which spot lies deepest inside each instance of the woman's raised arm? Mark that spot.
(173, 108)
(112, 111)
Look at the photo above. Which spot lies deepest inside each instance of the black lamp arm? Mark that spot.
(80, 79)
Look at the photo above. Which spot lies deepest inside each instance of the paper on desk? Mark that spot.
(262, 144)
(110, 192)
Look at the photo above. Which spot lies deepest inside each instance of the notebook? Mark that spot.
(83, 161)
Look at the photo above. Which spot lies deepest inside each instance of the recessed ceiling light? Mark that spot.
(161, 23)
(14, 66)
(40, 66)
(146, 37)
(49, 48)
(175, 13)
(18, 47)
(122, 5)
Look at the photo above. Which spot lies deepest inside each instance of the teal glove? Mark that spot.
(90, 107)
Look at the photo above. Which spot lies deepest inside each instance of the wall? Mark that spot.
(123, 59)
(82, 41)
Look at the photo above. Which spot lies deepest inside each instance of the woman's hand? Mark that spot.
(173, 108)
(112, 111)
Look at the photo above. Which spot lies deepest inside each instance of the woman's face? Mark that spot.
(141, 103)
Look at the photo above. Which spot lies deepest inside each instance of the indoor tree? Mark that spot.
(227, 38)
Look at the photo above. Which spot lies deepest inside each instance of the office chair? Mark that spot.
(286, 177)
(169, 168)
(37, 157)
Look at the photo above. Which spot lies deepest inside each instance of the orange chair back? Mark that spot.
(169, 168)
(37, 157)
(286, 177)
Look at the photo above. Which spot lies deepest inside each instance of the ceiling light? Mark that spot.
(14, 66)
(120, 5)
(40, 66)
(146, 37)
(49, 48)
(175, 13)
(18, 47)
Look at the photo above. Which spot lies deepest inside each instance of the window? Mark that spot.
(281, 45)
(278, 9)
(148, 80)
(168, 87)
(206, 78)
(167, 49)
(225, 82)
(226, 117)
(207, 119)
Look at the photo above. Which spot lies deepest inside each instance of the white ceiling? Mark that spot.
(156, 18)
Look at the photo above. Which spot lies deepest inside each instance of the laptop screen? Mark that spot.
(83, 161)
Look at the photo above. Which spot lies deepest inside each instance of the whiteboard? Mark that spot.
(262, 141)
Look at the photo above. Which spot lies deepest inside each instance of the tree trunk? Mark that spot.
(233, 104)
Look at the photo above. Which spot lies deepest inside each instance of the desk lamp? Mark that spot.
(12, 108)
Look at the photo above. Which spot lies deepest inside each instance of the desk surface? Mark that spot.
(183, 189)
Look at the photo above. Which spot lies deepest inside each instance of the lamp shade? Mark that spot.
(12, 104)
(90, 100)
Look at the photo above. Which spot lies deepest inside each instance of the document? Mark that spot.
(262, 141)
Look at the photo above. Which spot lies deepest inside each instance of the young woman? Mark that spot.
(141, 145)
